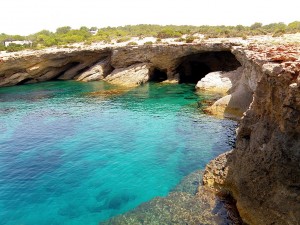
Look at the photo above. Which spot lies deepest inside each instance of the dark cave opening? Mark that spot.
(192, 68)
(192, 72)
(25, 81)
(157, 75)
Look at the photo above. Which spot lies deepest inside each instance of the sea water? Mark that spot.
(80, 153)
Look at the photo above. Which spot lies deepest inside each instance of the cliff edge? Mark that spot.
(263, 172)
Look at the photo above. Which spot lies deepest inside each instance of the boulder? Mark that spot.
(219, 82)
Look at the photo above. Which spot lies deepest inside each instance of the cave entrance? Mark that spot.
(157, 75)
(192, 68)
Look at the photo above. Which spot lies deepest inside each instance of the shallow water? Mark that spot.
(80, 153)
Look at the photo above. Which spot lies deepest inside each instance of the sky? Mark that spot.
(30, 16)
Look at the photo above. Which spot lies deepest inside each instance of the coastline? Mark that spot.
(268, 135)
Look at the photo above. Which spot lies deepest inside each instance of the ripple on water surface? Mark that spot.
(80, 153)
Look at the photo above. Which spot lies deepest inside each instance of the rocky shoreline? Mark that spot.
(263, 172)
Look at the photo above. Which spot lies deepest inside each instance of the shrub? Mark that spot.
(15, 47)
(148, 43)
(180, 39)
(2, 47)
(123, 39)
(255, 26)
(132, 43)
(63, 30)
(190, 39)
(169, 33)
(244, 37)
(278, 33)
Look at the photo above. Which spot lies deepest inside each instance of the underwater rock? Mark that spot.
(117, 201)
(180, 208)
(190, 183)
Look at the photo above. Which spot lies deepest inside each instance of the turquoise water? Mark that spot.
(80, 153)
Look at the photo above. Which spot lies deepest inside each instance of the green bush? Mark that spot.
(180, 39)
(67, 35)
(255, 26)
(190, 39)
(123, 39)
(278, 33)
(132, 43)
(63, 30)
(169, 33)
(148, 43)
(294, 26)
(2, 47)
(15, 47)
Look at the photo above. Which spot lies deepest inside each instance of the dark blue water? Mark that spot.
(80, 153)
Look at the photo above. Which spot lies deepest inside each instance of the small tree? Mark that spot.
(255, 26)
(63, 30)
(93, 28)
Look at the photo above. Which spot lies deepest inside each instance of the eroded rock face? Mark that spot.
(219, 81)
(96, 72)
(89, 64)
(244, 81)
(263, 172)
(131, 76)
(49, 64)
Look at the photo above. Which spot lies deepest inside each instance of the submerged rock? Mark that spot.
(190, 183)
(189, 203)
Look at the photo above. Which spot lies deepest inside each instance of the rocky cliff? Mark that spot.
(263, 172)
(96, 63)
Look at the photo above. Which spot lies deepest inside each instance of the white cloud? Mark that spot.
(24, 17)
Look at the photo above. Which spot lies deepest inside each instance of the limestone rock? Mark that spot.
(181, 207)
(131, 76)
(216, 171)
(219, 82)
(14, 79)
(47, 64)
(96, 72)
(263, 172)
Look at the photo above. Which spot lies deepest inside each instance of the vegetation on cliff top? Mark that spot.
(67, 35)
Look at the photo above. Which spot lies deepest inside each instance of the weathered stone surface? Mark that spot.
(96, 72)
(219, 81)
(14, 79)
(43, 65)
(263, 172)
(131, 76)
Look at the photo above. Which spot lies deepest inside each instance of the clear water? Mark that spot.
(80, 153)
